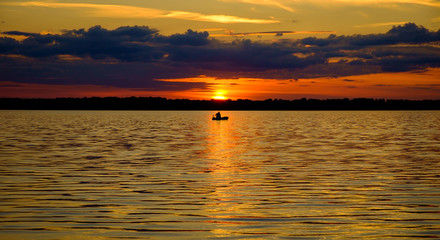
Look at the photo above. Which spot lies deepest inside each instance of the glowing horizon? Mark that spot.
(379, 86)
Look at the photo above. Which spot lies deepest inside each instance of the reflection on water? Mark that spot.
(180, 175)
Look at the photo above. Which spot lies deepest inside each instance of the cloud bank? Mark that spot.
(138, 56)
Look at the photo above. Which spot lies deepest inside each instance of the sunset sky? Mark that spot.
(237, 49)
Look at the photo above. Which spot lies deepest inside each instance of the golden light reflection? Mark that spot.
(227, 177)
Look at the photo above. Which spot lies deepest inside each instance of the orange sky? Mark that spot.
(404, 85)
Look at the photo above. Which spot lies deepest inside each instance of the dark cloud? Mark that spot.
(190, 38)
(124, 43)
(138, 56)
(408, 33)
(8, 45)
(106, 73)
(398, 59)
(241, 56)
(19, 33)
(402, 48)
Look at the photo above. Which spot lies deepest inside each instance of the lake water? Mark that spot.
(180, 175)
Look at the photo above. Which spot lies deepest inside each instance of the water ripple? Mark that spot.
(263, 175)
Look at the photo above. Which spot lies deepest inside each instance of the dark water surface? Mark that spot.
(180, 175)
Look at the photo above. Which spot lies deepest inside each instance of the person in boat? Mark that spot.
(218, 115)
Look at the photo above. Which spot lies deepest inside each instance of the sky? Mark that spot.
(221, 49)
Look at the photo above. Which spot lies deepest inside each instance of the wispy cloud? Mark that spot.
(380, 24)
(273, 3)
(276, 33)
(432, 3)
(123, 11)
(285, 4)
(215, 18)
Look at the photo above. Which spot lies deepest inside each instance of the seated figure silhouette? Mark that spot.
(218, 116)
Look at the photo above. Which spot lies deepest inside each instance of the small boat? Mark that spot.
(222, 118)
(218, 116)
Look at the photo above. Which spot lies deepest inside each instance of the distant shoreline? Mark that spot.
(158, 103)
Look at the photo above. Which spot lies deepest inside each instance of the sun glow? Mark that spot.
(220, 95)
(405, 85)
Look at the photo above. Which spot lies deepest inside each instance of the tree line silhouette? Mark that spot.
(159, 103)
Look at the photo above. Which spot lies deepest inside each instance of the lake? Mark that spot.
(258, 175)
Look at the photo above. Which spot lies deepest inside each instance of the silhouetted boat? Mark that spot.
(222, 118)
